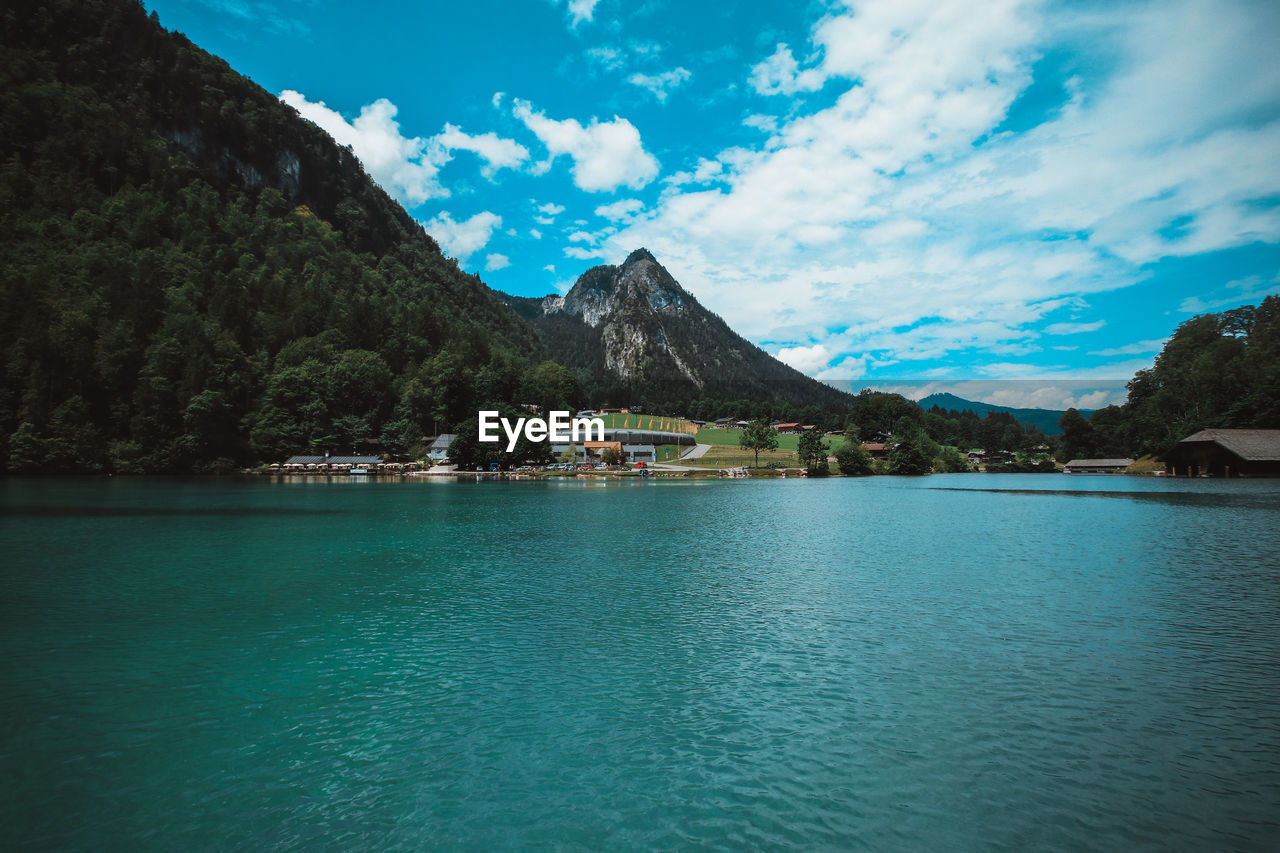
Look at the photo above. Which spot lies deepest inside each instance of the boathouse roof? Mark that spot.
(333, 460)
(1255, 445)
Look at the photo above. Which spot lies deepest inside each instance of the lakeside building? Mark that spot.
(439, 449)
(1096, 466)
(1226, 453)
(331, 461)
(638, 445)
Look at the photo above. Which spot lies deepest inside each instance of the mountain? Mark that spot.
(631, 332)
(1045, 420)
(193, 277)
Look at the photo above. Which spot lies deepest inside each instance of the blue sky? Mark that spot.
(872, 191)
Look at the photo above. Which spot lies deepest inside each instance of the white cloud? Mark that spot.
(498, 153)
(660, 85)
(402, 165)
(806, 359)
(535, 233)
(462, 239)
(551, 268)
(780, 74)
(496, 262)
(607, 58)
(1073, 328)
(849, 367)
(896, 214)
(1242, 291)
(407, 167)
(551, 208)
(1135, 348)
(582, 253)
(606, 155)
(769, 124)
(622, 209)
(582, 10)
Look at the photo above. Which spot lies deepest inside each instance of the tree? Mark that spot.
(400, 435)
(909, 456)
(812, 452)
(1078, 439)
(853, 460)
(26, 449)
(613, 456)
(758, 436)
(950, 460)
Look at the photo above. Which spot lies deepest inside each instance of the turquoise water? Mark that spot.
(948, 663)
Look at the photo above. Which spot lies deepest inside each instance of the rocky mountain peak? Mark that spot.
(635, 324)
(640, 285)
(641, 254)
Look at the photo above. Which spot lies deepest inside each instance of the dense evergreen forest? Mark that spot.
(193, 277)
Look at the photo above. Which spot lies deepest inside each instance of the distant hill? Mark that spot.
(1045, 420)
(631, 332)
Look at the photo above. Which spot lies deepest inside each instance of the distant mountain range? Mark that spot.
(1045, 420)
(633, 332)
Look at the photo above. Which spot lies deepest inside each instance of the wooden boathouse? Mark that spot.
(1226, 453)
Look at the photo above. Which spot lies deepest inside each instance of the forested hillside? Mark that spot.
(194, 277)
(1219, 371)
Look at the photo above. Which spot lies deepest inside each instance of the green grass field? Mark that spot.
(730, 437)
(725, 452)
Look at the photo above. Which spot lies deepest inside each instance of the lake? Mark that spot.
(959, 662)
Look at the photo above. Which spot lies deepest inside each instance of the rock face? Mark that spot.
(634, 327)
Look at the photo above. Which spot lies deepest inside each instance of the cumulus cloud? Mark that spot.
(605, 155)
(497, 153)
(905, 220)
(619, 210)
(780, 74)
(400, 164)
(463, 239)
(806, 359)
(496, 262)
(849, 367)
(407, 167)
(660, 85)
